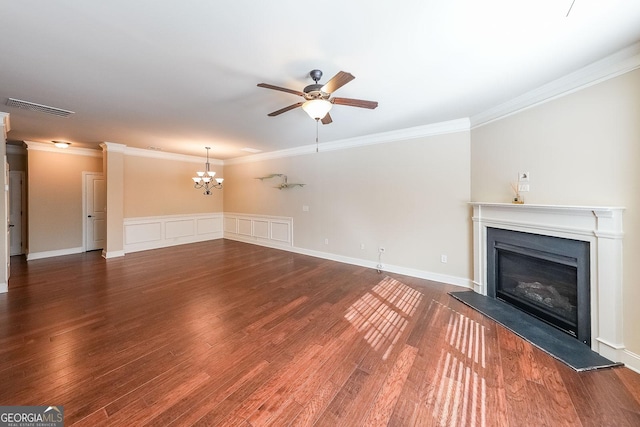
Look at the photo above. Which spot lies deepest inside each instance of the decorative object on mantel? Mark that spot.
(205, 179)
(517, 199)
(283, 184)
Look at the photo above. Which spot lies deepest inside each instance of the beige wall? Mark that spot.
(582, 149)
(155, 187)
(408, 196)
(55, 199)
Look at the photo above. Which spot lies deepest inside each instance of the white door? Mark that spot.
(96, 211)
(16, 212)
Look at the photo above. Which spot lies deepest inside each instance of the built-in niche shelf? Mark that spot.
(284, 184)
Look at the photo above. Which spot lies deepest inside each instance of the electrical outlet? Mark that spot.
(523, 188)
(305, 208)
(443, 259)
(381, 249)
(326, 241)
(361, 245)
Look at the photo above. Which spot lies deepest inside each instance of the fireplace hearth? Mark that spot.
(544, 276)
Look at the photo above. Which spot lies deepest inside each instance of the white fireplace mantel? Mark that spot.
(598, 225)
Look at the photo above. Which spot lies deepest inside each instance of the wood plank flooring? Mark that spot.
(230, 334)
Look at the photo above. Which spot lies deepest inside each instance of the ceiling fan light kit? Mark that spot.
(317, 108)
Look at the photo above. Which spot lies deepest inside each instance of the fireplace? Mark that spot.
(599, 226)
(544, 276)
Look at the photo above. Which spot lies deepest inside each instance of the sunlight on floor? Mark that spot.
(459, 392)
(384, 313)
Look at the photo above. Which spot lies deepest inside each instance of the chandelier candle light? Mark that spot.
(205, 179)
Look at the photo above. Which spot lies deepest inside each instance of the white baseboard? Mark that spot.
(112, 254)
(4, 288)
(59, 252)
(421, 274)
(630, 360)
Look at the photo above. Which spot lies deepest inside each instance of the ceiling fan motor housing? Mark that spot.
(314, 91)
(316, 75)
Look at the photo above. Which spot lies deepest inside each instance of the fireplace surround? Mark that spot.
(599, 227)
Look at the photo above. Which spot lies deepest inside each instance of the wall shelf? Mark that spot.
(284, 184)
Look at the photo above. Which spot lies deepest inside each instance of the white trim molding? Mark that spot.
(272, 231)
(58, 252)
(144, 233)
(49, 147)
(600, 226)
(614, 65)
(389, 268)
(141, 152)
(451, 126)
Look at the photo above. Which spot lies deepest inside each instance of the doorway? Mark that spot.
(17, 210)
(95, 211)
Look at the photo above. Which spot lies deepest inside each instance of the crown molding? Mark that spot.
(141, 152)
(452, 126)
(49, 147)
(621, 62)
(112, 147)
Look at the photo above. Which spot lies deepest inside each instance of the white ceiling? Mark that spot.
(182, 75)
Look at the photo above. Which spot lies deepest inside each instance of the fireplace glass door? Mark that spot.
(544, 276)
(543, 287)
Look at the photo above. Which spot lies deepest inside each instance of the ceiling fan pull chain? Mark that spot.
(317, 120)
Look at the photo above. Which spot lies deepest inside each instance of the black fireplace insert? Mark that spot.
(545, 276)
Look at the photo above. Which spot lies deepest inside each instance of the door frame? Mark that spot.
(84, 206)
(23, 209)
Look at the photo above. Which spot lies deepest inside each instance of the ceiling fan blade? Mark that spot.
(326, 119)
(285, 109)
(339, 80)
(355, 102)
(283, 89)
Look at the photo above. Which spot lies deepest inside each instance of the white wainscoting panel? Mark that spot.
(208, 225)
(230, 225)
(261, 228)
(179, 228)
(146, 233)
(245, 226)
(280, 231)
(275, 231)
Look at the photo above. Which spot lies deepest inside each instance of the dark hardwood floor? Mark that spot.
(226, 333)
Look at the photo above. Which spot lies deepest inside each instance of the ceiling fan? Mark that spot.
(318, 100)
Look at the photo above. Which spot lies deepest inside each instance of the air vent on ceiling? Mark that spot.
(26, 105)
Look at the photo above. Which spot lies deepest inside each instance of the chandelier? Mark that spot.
(205, 179)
